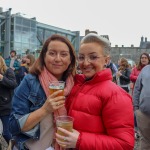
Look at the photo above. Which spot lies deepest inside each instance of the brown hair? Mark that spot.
(3, 66)
(123, 64)
(39, 63)
(139, 65)
(31, 58)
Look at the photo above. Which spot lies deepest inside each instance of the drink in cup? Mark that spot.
(65, 122)
(55, 86)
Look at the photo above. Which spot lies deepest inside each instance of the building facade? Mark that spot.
(26, 35)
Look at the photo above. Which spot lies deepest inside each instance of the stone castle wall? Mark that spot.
(132, 53)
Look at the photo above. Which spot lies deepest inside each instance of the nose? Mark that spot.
(58, 57)
(86, 61)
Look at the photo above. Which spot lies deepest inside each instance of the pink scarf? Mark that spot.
(45, 77)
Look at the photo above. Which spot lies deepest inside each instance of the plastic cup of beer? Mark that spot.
(55, 86)
(65, 122)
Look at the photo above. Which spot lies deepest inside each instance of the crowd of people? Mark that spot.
(108, 113)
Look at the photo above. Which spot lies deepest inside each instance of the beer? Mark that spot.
(55, 86)
(54, 90)
(65, 122)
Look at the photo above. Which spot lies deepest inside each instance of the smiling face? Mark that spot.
(57, 58)
(92, 58)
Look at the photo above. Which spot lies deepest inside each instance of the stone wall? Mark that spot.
(132, 53)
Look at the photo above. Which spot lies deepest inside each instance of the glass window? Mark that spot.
(33, 24)
(40, 35)
(12, 36)
(17, 38)
(47, 34)
(25, 46)
(18, 28)
(33, 47)
(19, 20)
(26, 22)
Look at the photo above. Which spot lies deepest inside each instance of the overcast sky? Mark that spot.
(124, 21)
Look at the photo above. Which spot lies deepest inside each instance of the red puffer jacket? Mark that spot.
(103, 113)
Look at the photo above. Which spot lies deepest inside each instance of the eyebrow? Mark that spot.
(55, 50)
(89, 53)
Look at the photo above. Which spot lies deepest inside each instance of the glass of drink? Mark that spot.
(55, 86)
(65, 122)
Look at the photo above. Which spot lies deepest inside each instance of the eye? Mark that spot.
(81, 58)
(64, 54)
(52, 53)
(92, 57)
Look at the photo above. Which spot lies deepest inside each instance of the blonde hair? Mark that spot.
(123, 64)
(95, 38)
(3, 66)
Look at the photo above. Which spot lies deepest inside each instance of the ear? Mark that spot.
(106, 59)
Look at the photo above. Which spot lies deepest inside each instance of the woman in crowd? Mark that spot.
(27, 62)
(31, 121)
(7, 85)
(30, 59)
(123, 74)
(102, 111)
(143, 61)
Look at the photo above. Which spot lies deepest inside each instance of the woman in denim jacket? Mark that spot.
(34, 109)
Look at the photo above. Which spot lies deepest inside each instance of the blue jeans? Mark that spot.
(6, 133)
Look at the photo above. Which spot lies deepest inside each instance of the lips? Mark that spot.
(56, 65)
(87, 69)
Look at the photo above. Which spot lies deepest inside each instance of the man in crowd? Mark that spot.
(13, 63)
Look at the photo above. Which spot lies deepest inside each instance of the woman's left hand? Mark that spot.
(68, 141)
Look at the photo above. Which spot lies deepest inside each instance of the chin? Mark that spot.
(88, 76)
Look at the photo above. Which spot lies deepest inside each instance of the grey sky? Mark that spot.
(125, 21)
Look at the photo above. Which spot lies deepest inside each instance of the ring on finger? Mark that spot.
(65, 139)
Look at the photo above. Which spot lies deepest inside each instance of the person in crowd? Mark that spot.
(102, 111)
(13, 63)
(7, 85)
(33, 107)
(112, 66)
(28, 61)
(22, 69)
(123, 74)
(143, 61)
(141, 99)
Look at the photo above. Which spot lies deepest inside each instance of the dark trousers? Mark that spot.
(6, 133)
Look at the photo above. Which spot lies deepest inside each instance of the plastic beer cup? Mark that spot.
(65, 122)
(55, 86)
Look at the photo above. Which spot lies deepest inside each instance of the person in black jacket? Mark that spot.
(7, 85)
(123, 74)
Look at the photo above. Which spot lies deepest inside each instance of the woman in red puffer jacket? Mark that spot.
(102, 111)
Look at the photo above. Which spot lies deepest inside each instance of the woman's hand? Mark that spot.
(54, 102)
(118, 74)
(68, 141)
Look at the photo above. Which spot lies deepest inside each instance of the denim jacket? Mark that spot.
(28, 97)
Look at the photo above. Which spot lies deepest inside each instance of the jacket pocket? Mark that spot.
(36, 100)
(145, 105)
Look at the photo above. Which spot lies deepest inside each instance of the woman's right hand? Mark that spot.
(54, 102)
